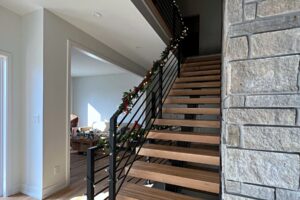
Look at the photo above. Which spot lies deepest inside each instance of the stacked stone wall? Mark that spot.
(261, 100)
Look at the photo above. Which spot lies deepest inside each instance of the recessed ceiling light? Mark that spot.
(97, 14)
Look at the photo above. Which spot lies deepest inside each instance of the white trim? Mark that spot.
(68, 79)
(2, 114)
(8, 187)
(31, 191)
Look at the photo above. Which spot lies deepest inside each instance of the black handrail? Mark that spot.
(145, 108)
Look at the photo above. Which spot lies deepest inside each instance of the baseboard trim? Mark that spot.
(48, 191)
(31, 191)
(13, 189)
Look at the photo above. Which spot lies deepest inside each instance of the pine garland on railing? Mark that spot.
(129, 97)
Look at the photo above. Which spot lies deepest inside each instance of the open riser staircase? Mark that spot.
(165, 135)
(196, 95)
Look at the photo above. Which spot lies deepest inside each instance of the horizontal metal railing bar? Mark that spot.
(144, 111)
(148, 91)
(139, 138)
(147, 133)
(171, 70)
(102, 190)
(168, 67)
(100, 180)
(136, 101)
(150, 111)
(126, 164)
(164, 11)
(147, 114)
(169, 80)
(147, 96)
(156, 114)
(102, 168)
(96, 159)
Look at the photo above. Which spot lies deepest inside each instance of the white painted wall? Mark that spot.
(32, 59)
(103, 93)
(10, 44)
(56, 109)
(38, 138)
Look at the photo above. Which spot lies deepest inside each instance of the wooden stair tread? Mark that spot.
(202, 63)
(188, 123)
(188, 92)
(174, 100)
(190, 178)
(197, 85)
(137, 192)
(198, 79)
(203, 156)
(196, 111)
(200, 68)
(203, 58)
(200, 73)
(184, 136)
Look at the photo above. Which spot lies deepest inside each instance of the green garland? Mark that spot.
(129, 97)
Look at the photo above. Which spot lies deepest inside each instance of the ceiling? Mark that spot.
(86, 64)
(120, 25)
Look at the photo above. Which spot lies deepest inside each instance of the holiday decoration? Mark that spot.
(130, 96)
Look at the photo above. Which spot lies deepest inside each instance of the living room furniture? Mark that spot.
(81, 144)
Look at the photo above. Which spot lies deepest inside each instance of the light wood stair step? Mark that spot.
(137, 192)
(198, 79)
(187, 123)
(186, 92)
(203, 156)
(204, 138)
(214, 100)
(189, 178)
(195, 111)
(199, 68)
(201, 73)
(197, 85)
(202, 63)
(204, 58)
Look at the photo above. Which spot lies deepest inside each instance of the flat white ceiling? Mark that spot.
(120, 26)
(85, 64)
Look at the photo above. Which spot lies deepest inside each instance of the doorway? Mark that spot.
(3, 65)
(191, 42)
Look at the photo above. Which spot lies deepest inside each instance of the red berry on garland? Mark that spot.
(126, 104)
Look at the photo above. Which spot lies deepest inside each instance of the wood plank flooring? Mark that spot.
(77, 187)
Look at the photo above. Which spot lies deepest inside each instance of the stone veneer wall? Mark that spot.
(261, 100)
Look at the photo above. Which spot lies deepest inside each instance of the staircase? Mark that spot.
(191, 110)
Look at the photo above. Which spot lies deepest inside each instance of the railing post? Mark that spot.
(112, 157)
(160, 104)
(90, 173)
(179, 60)
(153, 107)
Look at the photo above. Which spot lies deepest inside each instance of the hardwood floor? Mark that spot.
(17, 197)
(77, 187)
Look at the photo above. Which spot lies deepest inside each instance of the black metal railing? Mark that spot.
(171, 14)
(108, 171)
